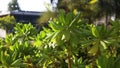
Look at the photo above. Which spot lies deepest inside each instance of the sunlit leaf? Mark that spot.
(93, 50)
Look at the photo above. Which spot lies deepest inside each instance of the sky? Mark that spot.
(27, 5)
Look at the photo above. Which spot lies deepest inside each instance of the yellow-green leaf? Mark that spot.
(94, 31)
(103, 44)
(93, 50)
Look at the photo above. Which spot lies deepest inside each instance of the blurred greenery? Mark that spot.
(7, 22)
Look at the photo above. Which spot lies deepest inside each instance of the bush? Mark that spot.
(69, 42)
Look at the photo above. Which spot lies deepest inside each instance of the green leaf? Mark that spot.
(66, 36)
(61, 17)
(42, 34)
(103, 44)
(54, 26)
(93, 50)
(57, 34)
(102, 61)
(69, 17)
(75, 20)
(94, 31)
(117, 63)
(3, 58)
(16, 62)
(105, 62)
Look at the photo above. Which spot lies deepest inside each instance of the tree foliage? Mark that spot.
(13, 5)
(7, 22)
(92, 9)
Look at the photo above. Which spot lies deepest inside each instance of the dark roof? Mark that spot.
(16, 12)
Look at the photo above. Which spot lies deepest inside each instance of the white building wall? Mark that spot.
(2, 33)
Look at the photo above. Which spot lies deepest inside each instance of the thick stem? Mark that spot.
(55, 65)
(69, 60)
(68, 57)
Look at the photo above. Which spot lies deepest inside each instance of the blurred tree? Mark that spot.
(88, 8)
(46, 17)
(92, 9)
(117, 9)
(107, 8)
(13, 5)
(7, 22)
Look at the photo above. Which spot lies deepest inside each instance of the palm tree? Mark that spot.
(107, 8)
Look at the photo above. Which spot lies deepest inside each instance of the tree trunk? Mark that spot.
(107, 21)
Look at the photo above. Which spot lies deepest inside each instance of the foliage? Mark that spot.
(7, 22)
(13, 5)
(46, 16)
(92, 9)
(68, 42)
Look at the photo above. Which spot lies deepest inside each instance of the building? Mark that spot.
(23, 16)
(2, 33)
